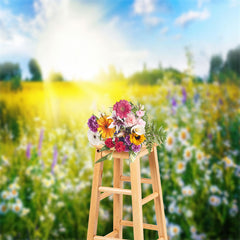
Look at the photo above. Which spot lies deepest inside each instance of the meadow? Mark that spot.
(46, 162)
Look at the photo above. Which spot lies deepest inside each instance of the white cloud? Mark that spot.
(177, 36)
(164, 30)
(144, 6)
(191, 16)
(202, 2)
(152, 21)
(69, 37)
(234, 3)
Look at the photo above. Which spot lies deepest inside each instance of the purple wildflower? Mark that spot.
(174, 102)
(220, 101)
(40, 142)
(28, 151)
(136, 148)
(55, 155)
(184, 93)
(196, 97)
(64, 159)
(92, 123)
(127, 140)
(210, 136)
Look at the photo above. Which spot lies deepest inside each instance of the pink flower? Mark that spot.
(122, 108)
(131, 119)
(141, 122)
(140, 113)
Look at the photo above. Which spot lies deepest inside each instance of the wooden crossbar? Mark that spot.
(143, 180)
(112, 234)
(104, 195)
(106, 238)
(115, 190)
(145, 225)
(149, 198)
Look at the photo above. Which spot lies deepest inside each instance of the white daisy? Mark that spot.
(170, 140)
(94, 138)
(187, 191)
(193, 230)
(214, 200)
(13, 193)
(228, 162)
(3, 208)
(183, 135)
(25, 211)
(187, 154)
(199, 157)
(181, 166)
(233, 210)
(6, 195)
(17, 207)
(214, 189)
(174, 230)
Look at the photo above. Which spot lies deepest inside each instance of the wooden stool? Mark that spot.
(99, 192)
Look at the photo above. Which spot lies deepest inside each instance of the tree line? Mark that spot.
(220, 71)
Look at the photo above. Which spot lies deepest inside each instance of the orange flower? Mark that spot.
(104, 129)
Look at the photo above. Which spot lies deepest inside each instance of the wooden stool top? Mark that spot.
(124, 155)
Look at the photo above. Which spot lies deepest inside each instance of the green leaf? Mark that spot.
(104, 158)
(104, 148)
(132, 156)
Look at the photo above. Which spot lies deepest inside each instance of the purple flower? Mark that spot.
(174, 102)
(184, 93)
(220, 101)
(92, 123)
(55, 155)
(136, 148)
(196, 97)
(210, 136)
(127, 140)
(127, 148)
(28, 151)
(64, 158)
(40, 142)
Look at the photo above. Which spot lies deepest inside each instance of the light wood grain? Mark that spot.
(115, 190)
(117, 198)
(136, 199)
(145, 225)
(143, 180)
(158, 201)
(95, 198)
(149, 198)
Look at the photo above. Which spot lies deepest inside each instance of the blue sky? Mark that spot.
(78, 38)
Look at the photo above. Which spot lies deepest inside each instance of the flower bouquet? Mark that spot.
(127, 129)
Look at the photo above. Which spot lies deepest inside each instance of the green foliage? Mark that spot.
(35, 70)
(56, 77)
(9, 71)
(16, 83)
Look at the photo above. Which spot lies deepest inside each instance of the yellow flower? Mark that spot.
(104, 129)
(137, 139)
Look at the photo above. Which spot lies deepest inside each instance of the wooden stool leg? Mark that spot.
(156, 185)
(94, 205)
(136, 199)
(117, 198)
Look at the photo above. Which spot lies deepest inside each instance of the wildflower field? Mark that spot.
(46, 162)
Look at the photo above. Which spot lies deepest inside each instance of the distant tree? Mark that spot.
(216, 64)
(56, 77)
(16, 83)
(9, 70)
(232, 62)
(35, 70)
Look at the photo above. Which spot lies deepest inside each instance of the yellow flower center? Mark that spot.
(17, 208)
(180, 166)
(175, 230)
(4, 208)
(170, 140)
(183, 135)
(188, 154)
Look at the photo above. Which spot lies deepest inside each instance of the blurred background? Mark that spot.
(62, 60)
